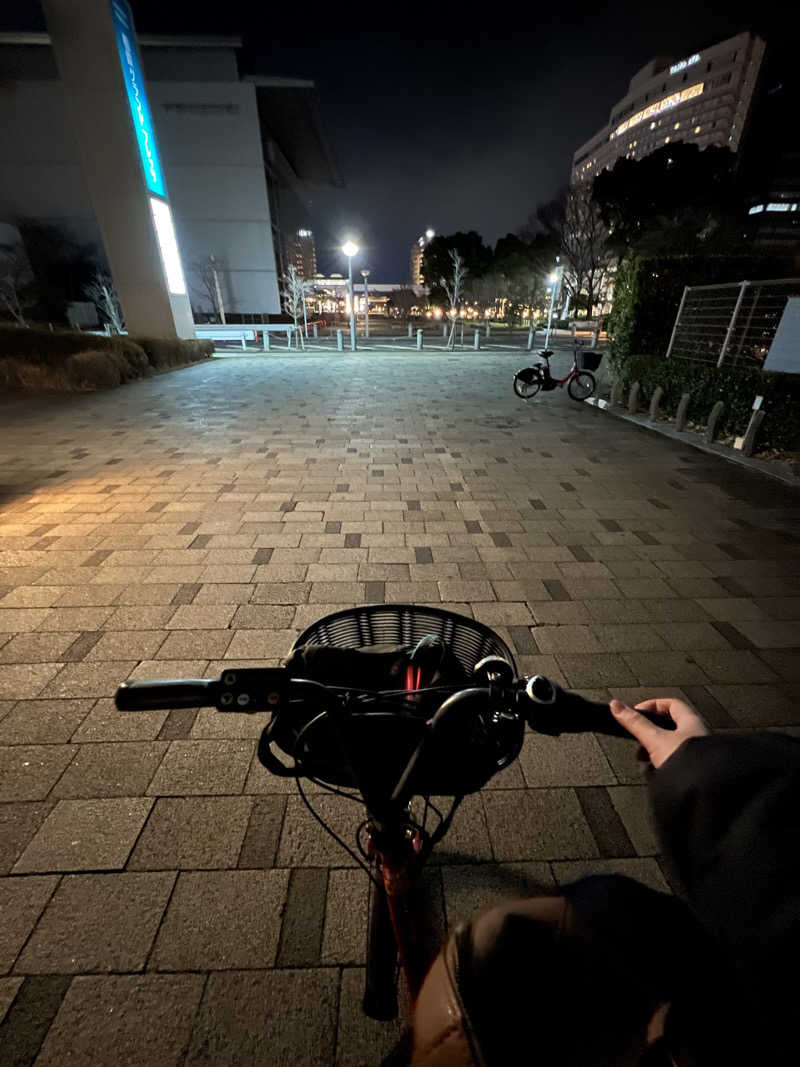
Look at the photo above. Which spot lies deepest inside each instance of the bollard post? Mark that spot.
(655, 401)
(265, 340)
(749, 439)
(444, 329)
(315, 328)
(595, 338)
(461, 342)
(244, 344)
(531, 339)
(713, 419)
(488, 330)
(419, 340)
(681, 413)
(476, 341)
(410, 331)
(339, 341)
(633, 398)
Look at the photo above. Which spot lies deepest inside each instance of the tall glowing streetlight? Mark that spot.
(553, 278)
(350, 249)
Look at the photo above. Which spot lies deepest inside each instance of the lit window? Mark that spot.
(697, 129)
(666, 140)
(677, 126)
(652, 125)
(664, 104)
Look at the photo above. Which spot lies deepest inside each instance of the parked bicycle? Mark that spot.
(389, 706)
(579, 380)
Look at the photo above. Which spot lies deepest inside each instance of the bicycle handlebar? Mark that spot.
(170, 693)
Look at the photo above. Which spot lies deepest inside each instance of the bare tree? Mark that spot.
(16, 279)
(207, 271)
(583, 236)
(103, 295)
(292, 290)
(454, 288)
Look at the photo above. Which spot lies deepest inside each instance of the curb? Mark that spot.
(778, 470)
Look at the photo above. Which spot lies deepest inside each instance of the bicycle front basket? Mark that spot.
(590, 359)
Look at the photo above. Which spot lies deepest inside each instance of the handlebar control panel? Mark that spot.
(253, 689)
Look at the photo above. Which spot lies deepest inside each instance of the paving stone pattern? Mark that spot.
(164, 897)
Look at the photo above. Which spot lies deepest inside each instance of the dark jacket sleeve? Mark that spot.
(727, 808)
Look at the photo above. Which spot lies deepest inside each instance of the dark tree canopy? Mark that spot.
(436, 262)
(674, 199)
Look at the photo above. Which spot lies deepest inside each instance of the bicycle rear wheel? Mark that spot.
(526, 386)
(581, 386)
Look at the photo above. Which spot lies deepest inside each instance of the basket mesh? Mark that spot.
(405, 624)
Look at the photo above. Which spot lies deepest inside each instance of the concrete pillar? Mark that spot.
(680, 414)
(339, 341)
(265, 340)
(476, 343)
(315, 328)
(531, 339)
(419, 340)
(633, 398)
(98, 60)
(444, 329)
(488, 330)
(713, 419)
(410, 331)
(655, 402)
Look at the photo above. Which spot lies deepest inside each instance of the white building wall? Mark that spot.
(210, 145)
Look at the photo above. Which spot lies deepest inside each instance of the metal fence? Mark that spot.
(732, 324)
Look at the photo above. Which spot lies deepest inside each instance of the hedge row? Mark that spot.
(708, 384)
(70, 361)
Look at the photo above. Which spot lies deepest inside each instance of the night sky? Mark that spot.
(449, 115)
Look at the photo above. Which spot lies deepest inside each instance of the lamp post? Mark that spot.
(350, 249)
(365, 275)
(553, 279)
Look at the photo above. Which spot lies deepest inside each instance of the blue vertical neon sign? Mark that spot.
(137, 99)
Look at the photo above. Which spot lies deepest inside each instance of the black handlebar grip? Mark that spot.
(169, 693)
(553, 710)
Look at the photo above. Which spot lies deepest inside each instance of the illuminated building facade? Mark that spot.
(303, 253)
(417, 252)
(703, 98)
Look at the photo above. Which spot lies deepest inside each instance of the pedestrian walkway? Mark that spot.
(165, 901)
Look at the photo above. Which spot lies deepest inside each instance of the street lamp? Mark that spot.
(350, 249)
(365, 275)
(553, 279)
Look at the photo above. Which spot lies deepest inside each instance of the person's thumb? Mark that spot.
(635, 723)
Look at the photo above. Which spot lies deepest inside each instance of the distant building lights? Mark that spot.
(682, 64)
(665, 104)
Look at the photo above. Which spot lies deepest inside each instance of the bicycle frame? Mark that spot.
(550, 381)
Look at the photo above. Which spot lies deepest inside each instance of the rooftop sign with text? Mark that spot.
(682, 64)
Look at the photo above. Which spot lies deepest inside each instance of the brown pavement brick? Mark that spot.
(22, 900)
(691, 636)
(105, 723)
(9, 987)
(628, 637)
(733, 666)
(567, 638)
(632, 804)
(304, 914)
(599, 669)
(772, 633)
(136, 617)
(304, 843)
(571, 759)
(537, 824)
(192, 833)
(202, 617)
(468, 890)
(118, 769)
(99, 678)
(127, 644)
(28, 772)
(260, 844)
(34, 722)
(193, 644)
(491, 614)
(281, 593)
(219, 920)
(75, 619)
(31, 596)
(209, 723)
(178, 724)
(35, 647)
(193, 768)
(466, 591)
(644, 870)
(784, 607)
(785, 662)
(263, 617)
(35, 1006)
(336, 592)
(254, 1018)
(18, 824)
(21, 620)
(86, 835)
(345, 920)
(143, 596)
(98, 922)
(664, 668)
(559, 612)
(648, 611)
(607, 828)
(225, 593)
(757, 705)
(260, 644)
(144, 1019)
(21, 681)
